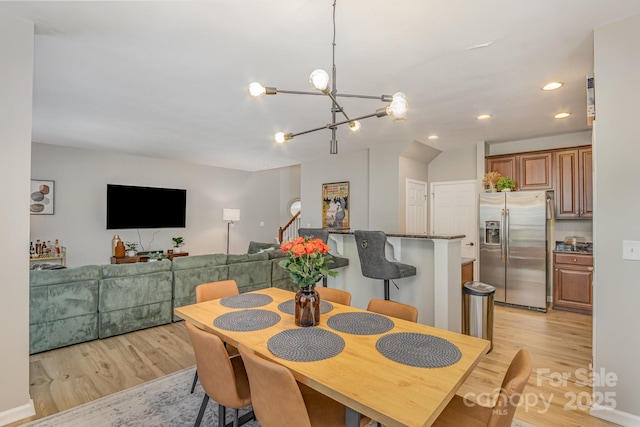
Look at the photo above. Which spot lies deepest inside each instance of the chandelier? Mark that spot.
(397, 104)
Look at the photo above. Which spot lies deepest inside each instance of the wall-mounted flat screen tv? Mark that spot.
(145, 207)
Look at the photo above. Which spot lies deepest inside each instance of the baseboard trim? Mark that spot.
(614, 416)
(18, 413)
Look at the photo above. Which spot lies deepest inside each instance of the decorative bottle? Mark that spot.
(120, 249)
(114, 243)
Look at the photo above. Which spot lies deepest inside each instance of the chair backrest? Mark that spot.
(334, 295)
(393, 309)
(371, 251)
(511, 390)
(216, 371)
(316, 233)
(275, 395)
(216, 290)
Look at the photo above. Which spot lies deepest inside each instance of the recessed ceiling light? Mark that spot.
(433, 137)
(552, 86)
(484, 116)
(562, 115)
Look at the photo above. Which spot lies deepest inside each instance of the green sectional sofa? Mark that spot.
(69, 306)
(63, 307)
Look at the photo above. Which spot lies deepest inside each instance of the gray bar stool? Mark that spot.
(374, 263)
(323, 234)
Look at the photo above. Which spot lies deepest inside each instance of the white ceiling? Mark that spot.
(169, 79)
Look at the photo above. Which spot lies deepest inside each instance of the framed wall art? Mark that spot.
(335, 205)
(42, 197)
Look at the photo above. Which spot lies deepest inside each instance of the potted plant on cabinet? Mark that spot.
(505, 184)
(132, 248)
(177, 243)
(490, 180)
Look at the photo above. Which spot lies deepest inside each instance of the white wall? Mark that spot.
(81, 178)
(454, 165)
(16, 76)
(616, 217)
(336, 168)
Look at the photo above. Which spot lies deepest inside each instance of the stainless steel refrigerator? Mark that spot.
(513, 246)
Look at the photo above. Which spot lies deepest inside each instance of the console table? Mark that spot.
(142, 258)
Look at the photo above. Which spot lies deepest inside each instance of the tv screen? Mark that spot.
(145, 207)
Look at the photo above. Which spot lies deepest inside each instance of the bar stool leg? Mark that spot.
(386, 289)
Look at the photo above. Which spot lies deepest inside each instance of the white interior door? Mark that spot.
(454, 210)
(416, 205)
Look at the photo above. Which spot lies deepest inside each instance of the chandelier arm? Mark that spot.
(338, 106)
(383, 98)
(379, 113)
(298, 92)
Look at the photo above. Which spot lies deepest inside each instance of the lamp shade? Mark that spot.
(231, 214)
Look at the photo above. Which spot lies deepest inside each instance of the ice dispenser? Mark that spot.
(492, 232)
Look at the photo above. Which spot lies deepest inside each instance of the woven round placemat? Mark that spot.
(420, 350)
(288, 307)
(246, 320)
(360, 323)
(246, 300)
(305, 344)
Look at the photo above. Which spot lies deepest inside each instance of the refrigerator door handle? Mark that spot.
(506, 234)
(502, 240)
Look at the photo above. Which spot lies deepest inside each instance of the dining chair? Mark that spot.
(208, 292)
(334, 295)
(323, 234)
(223, 378)
(393, 309)
(279, 400)
(374, 264)
(464, 412)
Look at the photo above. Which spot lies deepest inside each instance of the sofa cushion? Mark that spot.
(198, 261)
(237, 259)
(62, 301)
(77, 274)
(127, 270)
(132, 291)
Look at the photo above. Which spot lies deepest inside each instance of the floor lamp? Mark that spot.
(230, 215)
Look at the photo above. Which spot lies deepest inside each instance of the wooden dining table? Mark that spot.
(359, 376)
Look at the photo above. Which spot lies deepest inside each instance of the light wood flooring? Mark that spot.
(559, 344)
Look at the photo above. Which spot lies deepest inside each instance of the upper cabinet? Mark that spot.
(574, 183)
(530, 171)
(567, 171)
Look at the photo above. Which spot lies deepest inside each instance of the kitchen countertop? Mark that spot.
(409, 236)
(466, 261)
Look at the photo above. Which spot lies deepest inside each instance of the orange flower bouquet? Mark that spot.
(307, 260)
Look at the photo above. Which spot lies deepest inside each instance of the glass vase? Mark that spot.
(307, 306)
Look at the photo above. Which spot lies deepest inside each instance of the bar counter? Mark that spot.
(435, 289)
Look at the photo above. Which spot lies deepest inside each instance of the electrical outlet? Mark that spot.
(261, 223)
(631, 250)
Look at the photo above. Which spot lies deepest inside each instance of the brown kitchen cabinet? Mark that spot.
(573, 282)
(530, 171)
(574, 183)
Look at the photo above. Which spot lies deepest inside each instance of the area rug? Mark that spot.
(164, 402)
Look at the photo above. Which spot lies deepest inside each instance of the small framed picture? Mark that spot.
(42, 197)
(335, 205)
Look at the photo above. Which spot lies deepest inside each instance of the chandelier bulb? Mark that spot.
(281, 137)
(319, 79)
(256, 90)
(399, 106)
(355, 126)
